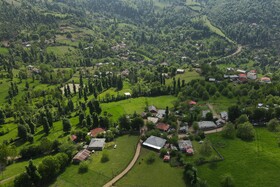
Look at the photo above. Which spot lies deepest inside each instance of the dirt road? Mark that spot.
(131, 164)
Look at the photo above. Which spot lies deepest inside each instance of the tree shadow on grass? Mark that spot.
(213, 165)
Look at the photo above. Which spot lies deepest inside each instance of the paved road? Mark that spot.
(131, 164)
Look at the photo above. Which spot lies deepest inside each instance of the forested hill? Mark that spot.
(253, 22)
(18, 16)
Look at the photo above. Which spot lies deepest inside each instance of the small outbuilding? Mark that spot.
(81, 156)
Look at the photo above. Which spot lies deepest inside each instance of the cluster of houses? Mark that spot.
(33, 69)
(158, 143)
(96, 144)
(242, 76)
(209, 125)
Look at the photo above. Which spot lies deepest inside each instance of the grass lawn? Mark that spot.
(222, 103)
(4, 51)
(187, 76)
(100, 173)
(253, 163)
(157, 174)
(60, 50)
(112, 91)
(214, 29)
(129, 106)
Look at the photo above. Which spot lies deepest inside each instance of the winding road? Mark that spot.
(127, 169)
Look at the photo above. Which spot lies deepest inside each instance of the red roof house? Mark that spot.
(242, 77)
(192, 103)
(163, 126)
(189, 151)
(96, 131)
(265, 80)
(73, 137)
(166, 158)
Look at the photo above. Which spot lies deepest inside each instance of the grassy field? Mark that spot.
(113, 91)
(4, 50)
(222, 103)
(157, 174)
(213, 28)
(129, 106)
(187, 76)
(100, 173)
(60, 50)
(253, 163)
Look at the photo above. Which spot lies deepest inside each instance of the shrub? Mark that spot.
(273, 125)
(83, 167)
(200, 161)
(227, 181)
(105, 157)
(228, 131)
(163, 152)
(174, 162)
(151, 158)
(245, 131)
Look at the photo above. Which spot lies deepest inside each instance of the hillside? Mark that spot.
(251, 22)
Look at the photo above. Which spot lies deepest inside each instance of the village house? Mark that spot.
(125, 73)
(163, 127)
(242, 78)
(152, 119)
(94, 132)
(152, 109)
(224, 115)
(160, 114)
(155, 142)
(127, 94)
(207, 125)
(180, 71)
(204, 113)
(186, 146)
(266, 80)
(252, 75)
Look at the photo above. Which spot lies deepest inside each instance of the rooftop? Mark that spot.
(97, 143)
(162, 126)
(96, 131)
(155, 142)
(206, 124)
(82, 155)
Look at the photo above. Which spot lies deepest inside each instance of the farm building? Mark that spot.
(96, 144)
(155, 142)
(81, 156)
